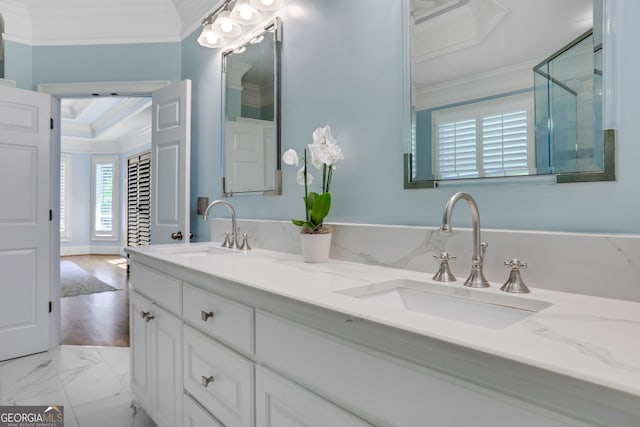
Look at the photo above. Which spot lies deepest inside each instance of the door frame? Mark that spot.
(70, 90)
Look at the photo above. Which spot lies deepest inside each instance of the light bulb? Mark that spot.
(267, 2)
(246, 13)
(211, 37)
(226, 26)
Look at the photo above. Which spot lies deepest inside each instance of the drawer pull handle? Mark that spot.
(207, 380)
(204, 315)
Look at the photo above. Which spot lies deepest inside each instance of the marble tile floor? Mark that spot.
(92, 383)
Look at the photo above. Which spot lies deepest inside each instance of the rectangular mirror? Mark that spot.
(506, 88)
(251, 114)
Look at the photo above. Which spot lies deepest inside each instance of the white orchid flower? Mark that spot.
(290, 157)
(300, 177)
(323, 136)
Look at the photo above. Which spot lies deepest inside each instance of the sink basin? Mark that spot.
(474, 306)
(197, 251)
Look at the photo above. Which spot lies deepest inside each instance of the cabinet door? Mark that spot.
(281, 403)
(139, 336)
(166, 368)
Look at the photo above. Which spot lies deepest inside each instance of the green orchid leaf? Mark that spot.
(311, 199)
(321, 207)
(298, 222)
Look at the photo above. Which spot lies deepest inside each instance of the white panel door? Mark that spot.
(245, 161)
(170, 163)
(24, 221)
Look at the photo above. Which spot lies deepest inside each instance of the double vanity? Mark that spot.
(259, 338)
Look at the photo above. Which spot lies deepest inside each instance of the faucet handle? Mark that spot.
(515, 263)
(227, 241)
(245, 246)
(514, 283)
(444, 273)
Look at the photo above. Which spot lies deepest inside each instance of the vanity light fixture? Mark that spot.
(225, 23)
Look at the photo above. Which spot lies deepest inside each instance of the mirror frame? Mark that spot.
(275, 25)
(609, 134)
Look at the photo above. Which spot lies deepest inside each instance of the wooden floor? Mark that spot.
(103, 318)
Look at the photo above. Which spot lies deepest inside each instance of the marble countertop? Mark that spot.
(589, 338)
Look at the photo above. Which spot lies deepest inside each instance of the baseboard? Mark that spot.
(91, 250)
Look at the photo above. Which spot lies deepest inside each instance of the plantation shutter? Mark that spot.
(485, 139)
(139, 200)
(104, 198)
(504, 144)
(457, 149)
(63, 191)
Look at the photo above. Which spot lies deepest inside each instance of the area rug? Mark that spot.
(75, 281)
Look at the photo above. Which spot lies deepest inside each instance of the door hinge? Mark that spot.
(50, 215)
(50, 306)
(51, 122)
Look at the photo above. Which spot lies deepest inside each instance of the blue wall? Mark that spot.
(80, 202)
(30, 66)
(344, 65)
(18, 64)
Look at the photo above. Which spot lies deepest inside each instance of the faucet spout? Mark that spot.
(233, 240)
(476, 278)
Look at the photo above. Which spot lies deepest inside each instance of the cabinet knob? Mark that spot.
(146, 315)
(205, 315)
(207, 380)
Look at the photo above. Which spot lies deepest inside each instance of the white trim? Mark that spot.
(114, 235)
(5, 82)
(132, 88)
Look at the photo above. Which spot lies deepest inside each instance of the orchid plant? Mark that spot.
(324, 152)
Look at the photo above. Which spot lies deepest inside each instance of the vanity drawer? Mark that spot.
(231, 322)
(220, 379)
(160, 288)
(196, 416)
(365, 381)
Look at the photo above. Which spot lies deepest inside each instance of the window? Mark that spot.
(485, 139)
(104, 198)
(65, 197)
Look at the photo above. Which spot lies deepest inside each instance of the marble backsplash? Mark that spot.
(591, 264)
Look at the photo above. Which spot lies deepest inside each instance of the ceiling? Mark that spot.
(108, 124)
(69, 22)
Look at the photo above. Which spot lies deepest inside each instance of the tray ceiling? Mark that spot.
(72, 22)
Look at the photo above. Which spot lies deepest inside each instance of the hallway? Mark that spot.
(99, 319)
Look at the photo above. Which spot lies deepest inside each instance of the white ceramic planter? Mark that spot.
(315, 247)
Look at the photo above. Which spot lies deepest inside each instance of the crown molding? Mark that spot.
(504, 80)
(132, 88)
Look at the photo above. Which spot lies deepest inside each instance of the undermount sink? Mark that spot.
(197, 251)
(474, 306)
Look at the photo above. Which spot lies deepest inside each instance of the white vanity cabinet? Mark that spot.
(156, 350)
(241, 352)
(282, 403)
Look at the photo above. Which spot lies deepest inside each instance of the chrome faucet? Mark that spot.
(476, 278)
(231, 239)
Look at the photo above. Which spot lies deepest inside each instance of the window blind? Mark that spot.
(63, 197)
(104, 198)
